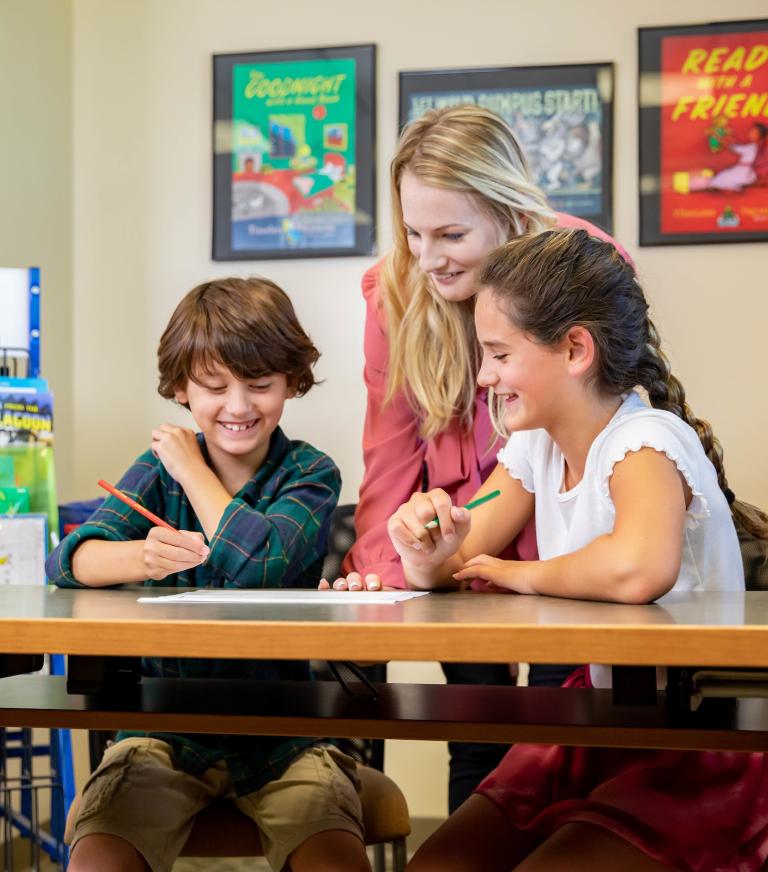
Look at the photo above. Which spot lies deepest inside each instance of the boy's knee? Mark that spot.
(100, 852)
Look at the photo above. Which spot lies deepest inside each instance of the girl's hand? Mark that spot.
(354, 581)
(178, 449)
(428, 547)
(168, 551)
(514, 575)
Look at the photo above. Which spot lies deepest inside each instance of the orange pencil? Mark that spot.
(134, 505)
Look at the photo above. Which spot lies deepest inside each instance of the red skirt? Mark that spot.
(698, 811)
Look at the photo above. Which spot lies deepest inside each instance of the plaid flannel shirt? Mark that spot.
(273, 534)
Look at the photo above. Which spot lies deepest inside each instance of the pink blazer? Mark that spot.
(394, 454)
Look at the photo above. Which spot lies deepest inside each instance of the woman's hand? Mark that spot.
(168, 551)
(178, 450)
(428, 546)
(354, 581)
(514, 575)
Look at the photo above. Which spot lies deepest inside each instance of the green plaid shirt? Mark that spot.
(273, 534)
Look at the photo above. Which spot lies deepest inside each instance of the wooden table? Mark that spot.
(708, 629)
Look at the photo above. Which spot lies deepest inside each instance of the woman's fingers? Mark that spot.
(354, 581)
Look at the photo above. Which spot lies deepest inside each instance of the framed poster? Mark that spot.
(562, 115)
(703, 101)
(293, 153)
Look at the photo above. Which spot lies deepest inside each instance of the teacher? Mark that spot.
(461, 187)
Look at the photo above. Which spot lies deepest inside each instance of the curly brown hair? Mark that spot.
(248, 326)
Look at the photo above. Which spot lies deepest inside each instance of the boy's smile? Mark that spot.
(236, 416)
(234, 427)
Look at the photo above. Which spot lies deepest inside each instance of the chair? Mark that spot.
(221, 830)
(689, 688)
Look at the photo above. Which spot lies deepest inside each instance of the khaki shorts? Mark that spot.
(138, 794)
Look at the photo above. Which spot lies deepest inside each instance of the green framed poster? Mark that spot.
(294, 153)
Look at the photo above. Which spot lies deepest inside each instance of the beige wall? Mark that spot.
(142, 110)
(141, 203)
(36, 182)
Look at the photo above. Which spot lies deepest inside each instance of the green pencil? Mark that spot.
(473, 505)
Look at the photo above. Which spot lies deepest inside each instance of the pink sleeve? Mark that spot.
(568, 221)
(393, 453)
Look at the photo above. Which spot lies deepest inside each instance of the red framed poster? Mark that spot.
(703, 97)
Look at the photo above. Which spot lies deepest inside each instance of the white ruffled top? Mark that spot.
(567, 520)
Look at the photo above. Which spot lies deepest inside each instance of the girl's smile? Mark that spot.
(528, 376)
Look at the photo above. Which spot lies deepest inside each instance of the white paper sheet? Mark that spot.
(285, 597)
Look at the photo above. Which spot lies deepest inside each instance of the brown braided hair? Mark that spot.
(549, 282)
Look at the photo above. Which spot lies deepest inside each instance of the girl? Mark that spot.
(460, 187)
(631, 501)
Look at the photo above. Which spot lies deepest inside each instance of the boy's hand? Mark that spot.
(178, 449)
(354, 581)
(428, 547)
(168, 551)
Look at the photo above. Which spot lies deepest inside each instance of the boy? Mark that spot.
(232, 353)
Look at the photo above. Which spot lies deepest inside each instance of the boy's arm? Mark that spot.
(96, 563)
(275, 547)
(179, 451)
(118, 545)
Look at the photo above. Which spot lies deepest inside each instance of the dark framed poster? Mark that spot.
(294, 153)
(562, 115)
(703, 102)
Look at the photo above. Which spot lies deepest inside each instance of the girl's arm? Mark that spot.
(393, 453)
(636, 563)
(431, 557)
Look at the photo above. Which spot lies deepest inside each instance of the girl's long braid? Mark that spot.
(665, 391)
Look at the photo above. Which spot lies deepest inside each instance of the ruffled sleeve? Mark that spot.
(515, 457)
(668, 436)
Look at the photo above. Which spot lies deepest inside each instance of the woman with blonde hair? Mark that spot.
(461, 186)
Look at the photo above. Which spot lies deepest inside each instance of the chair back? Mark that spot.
(754, 554)
(340, 539)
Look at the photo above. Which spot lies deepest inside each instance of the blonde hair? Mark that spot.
(433, 353)
(547, 284)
